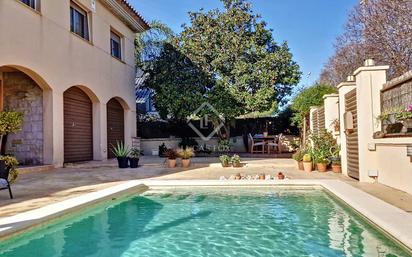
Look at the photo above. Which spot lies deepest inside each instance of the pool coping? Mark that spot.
(16, 224)
(392, 220)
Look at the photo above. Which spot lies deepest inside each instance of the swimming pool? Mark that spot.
(211, 222)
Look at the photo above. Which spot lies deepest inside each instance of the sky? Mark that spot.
(309, 26)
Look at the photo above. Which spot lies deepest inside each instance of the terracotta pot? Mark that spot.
(262, 176)
(171, 163)
(336, 168)
(238, 176)
(307, 166)
(225, 164)
(281, 176)
(321, 167)
(300, 165)
(185, 163)
(237, 164)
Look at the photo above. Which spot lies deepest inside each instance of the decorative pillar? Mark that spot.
(369, 82)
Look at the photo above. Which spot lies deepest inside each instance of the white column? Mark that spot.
(343, 89)
(99, 131)
(369, 82)
(331, 104)
(53, 128)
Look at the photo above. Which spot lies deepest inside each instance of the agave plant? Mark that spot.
(120, 150)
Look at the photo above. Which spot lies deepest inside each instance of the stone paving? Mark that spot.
(34, 190)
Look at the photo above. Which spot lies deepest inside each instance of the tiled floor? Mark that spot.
(38, 189)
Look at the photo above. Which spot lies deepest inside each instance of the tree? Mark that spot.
(149, 43)
(10, 123)
(378, 29)
(233, 49)
(304, 100)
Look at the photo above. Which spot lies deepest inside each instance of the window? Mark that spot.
(79, 23)
(34, 4)
(116, 45)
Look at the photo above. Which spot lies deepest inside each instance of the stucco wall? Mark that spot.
(42, 46)
(22, 94)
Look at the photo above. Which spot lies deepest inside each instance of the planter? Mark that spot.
(123, 162)
(336, 168)
(237, 164)
(185, 163)
(171, 163)
(225, 164)
(321, 167)
(281, 176)
(262, 176)
(394, 128)
(300, 165)
(134, 162)
(408, 125)
(238, 176)
(307, 166)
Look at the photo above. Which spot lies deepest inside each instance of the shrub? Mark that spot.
(225, 160)
(186, 153)
(235, 159)
(135, 153)
(171, 154)
(11, 163)
(298, 155)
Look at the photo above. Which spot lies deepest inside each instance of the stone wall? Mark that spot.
(22, 94)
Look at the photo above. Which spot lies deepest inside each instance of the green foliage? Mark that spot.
(298, 155)
(120, 150)
(149, 43)
(11, 163)
(324, 145)
(225, 160)
(186, 153)
(311, 96)
(235, 159)
(10, 122)
(227, 58)
(135, 153)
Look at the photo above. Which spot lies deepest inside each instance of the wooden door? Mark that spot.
(115, 125)
(78, 126)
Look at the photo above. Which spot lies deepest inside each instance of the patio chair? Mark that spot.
(275, 144)
(4, 179)
(254, 144)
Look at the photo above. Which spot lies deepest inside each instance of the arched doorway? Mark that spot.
(20, 92)
(78, 125)
(115, 125)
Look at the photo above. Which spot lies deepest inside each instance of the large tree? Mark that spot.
(235, 51)
(378, 29)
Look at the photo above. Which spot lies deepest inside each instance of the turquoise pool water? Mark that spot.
(210, 222)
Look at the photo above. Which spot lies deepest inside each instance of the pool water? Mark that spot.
(211, 222)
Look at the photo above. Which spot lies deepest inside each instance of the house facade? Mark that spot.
(69, 66)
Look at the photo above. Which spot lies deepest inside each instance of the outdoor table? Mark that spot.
(265, 139)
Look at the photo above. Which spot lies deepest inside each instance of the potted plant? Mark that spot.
(298, 157)
(281, 176)
(121, 152)
(236, 161)
(10, 164)
(225, 160)
(405, 116)
(322, 164)
(186, 154)
(336, 165)
(134, 157)
(262, 176)
(162, 150)
(171, 156)
(307, 162)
